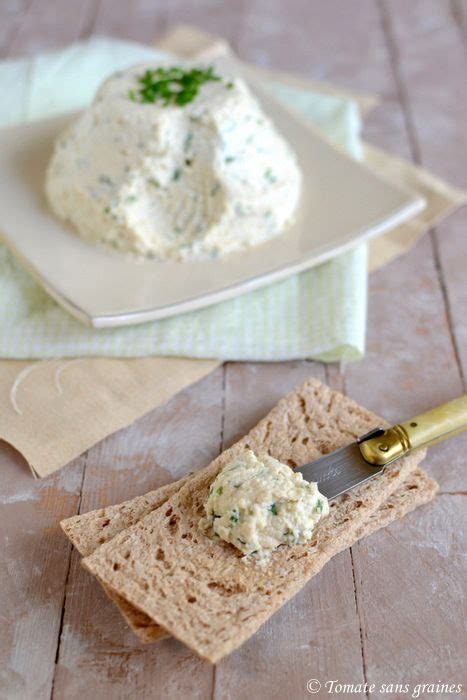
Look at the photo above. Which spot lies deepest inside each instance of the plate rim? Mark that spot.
(224, 293)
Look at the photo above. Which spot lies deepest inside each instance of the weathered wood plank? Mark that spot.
(312, 39)
(51, 24)
(252, 389)
(225, 19)
(272, 39)
(273, 34)
(35, 557)
(411, 365)
(414, 629)
(142, 21)
(34, 561)
(12, 14)
(451, 246)
(431, 65)
(459, 14)
(316, 635)
(411, 360)
(299, 642)
(98, 652)
(414, 321)
(408, 326)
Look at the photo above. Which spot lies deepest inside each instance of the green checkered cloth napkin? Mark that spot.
(318, 314)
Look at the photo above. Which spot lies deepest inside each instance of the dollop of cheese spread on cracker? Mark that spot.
(183, 182)
(257, 504)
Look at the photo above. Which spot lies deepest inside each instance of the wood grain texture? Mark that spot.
(144, 20)
(335, 41)
(34, 562)
(431, 64)
(409, 317)
(97, 649)
(224, 18)
(12, 14)
(347, 623)
(51, 24)
(408, 609)
(326, 606)
(299, 642)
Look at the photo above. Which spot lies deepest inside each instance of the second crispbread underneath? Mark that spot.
(417, 490)
(198, 589)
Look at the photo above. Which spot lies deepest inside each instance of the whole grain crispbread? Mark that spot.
(88, 531)
(415, 491)
(200, 590)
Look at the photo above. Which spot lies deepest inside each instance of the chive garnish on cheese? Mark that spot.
(172, 86)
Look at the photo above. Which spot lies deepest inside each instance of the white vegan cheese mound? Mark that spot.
(187, 182)
(258, 504)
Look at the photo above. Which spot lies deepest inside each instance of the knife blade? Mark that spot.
(342, 470)
(339, 471)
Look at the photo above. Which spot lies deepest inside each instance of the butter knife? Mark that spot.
(344, 469)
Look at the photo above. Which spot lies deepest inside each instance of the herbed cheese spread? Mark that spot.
(191, 179)
(258, 504)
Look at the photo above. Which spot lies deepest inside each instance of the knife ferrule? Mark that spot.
(351, 466)
(386, 446)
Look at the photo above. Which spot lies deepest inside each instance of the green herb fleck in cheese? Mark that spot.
(258, 504)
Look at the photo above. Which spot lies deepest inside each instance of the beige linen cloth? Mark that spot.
(53, 411)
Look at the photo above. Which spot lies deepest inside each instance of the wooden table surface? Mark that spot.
(389, 610)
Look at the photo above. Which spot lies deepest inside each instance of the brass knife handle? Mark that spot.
(423, 430)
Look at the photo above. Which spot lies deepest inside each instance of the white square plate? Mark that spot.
(343, 203)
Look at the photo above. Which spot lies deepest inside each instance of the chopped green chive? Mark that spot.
(105, 179)
(220, 490)
(273, 509)
(188, 141)
(319, 506)
(269, 175)
(176, 175)
(235, 516)
(174, 85)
